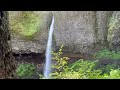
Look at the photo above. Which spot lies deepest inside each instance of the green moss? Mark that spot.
(25, 23)
(113, 25)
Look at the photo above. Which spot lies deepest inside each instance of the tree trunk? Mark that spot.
(7, 62)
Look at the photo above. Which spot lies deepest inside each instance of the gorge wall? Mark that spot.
(81, 31)
(78, 31)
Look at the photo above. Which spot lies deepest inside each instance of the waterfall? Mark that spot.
(47, 68)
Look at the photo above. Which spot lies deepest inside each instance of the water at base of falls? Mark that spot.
(47, 68)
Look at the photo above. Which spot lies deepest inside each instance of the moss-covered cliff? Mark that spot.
(78, 31)
(29, 30)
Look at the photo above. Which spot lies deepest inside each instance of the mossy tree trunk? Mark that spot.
(7, 62)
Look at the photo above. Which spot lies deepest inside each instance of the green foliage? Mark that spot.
(83, 69)
(86, 69)
(108, 68)
(84, 65)
(41, 76)
(103, 54)
(114, 74)
(25, 23)
(61, 62)
(107, 54)
(78, 70)
(25, 69)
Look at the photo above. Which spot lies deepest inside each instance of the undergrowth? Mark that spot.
(105, 53)
(25, 70)
(84, 69)
(81, 69)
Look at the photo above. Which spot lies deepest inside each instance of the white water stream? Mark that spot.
(47, 68)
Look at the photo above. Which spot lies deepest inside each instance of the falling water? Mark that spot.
(47, 68)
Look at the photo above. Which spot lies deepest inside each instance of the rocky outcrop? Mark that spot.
(81, 31)
(74, 29)
(114, 31)
(102, 21)
(78, 31)
(39, 40)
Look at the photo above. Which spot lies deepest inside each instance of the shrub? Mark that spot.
(105, 53)
(83, 69)
(86, 69)
(78, 70)
(114, 74)
(60, 64)
(108, 68)
(25, 69)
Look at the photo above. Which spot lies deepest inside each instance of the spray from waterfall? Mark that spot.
(47, 68)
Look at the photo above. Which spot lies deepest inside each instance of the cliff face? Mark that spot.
(81, 31)
(78, 31)
(74, 29)
(29, 38)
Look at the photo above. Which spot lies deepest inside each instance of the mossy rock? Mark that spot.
(29, 30)
(27, 24)
(114, 31)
